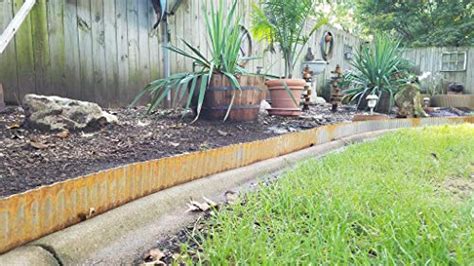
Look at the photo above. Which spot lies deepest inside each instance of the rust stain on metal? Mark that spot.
(415, 122)
(30, 215)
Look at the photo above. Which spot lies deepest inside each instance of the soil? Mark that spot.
(31, 158)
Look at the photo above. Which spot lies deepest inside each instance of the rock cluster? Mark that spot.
(408, 101)
(56, 113)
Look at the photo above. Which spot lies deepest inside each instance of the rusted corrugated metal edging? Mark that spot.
(30, 215)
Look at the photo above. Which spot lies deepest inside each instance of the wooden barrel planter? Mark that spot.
(246, 102)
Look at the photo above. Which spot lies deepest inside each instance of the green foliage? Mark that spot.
(224, 40)
(284, 23)
(376, 69)
(420, 23)
(385, 202)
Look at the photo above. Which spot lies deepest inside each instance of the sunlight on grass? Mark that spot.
(381, 202)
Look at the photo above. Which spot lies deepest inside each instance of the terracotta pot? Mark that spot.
(246, 104)
(282, 103)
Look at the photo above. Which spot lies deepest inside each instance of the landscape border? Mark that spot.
(35, 213)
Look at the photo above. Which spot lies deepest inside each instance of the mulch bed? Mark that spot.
(30, 158)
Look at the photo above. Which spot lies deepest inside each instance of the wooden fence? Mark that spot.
(106, 50)
(430, 60)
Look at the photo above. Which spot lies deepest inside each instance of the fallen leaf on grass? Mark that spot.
(231, 197)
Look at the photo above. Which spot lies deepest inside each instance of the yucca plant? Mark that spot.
(377, 68)
(285, 23)
(224, 41)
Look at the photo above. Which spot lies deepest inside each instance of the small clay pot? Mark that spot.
(281, 99)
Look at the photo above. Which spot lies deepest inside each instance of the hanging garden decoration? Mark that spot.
(160, 10)
(327, 45)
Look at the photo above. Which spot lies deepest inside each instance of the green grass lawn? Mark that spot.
(402, 199)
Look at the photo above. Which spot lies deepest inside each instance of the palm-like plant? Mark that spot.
(224, 39)
(285, 23)
(376, 69)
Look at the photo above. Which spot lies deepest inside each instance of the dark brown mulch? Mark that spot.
(30, 158)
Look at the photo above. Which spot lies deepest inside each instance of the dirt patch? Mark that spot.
(461, 188)
(31, 158)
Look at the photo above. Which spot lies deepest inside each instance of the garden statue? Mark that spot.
(408, 101)
(336, 95)
(327, 45)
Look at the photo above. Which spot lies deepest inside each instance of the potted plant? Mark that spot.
(218, 88)
(284, 24)
(377, 69)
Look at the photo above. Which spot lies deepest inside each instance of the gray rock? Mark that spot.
(277, 130)
(408, 101)
(56, 113)
(264, 105)
(319, 100)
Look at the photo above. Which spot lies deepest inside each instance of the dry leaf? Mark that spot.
(211, 203)
(143, 124)
(222, 133)
(154, 256)
(174, 144)
(38, 145)
(195, 206)
(91, 213)
(87, 135)
(63, 134)
(13, 126)
(231, 197)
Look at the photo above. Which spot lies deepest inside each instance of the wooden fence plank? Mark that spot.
(24, 55)
(98, 52)
(72, 72)
(84, 22)
(57, 47)
(39, 31)
(154, 45)
(124, 95)
(143, 45)
(111, 61)
(133, 49)
(8, 65)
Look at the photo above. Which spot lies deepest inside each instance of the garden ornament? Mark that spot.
(160, 10)
(372, 100)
